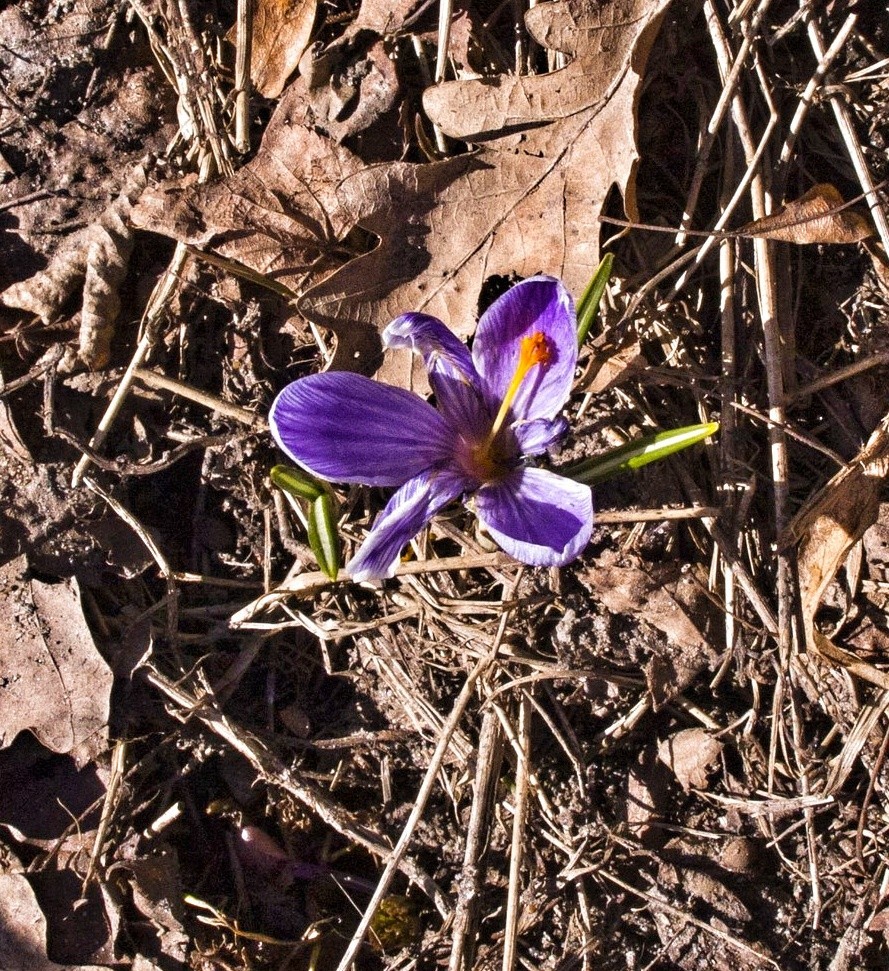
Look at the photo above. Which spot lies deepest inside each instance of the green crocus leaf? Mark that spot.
(295, 482)
(588, 305)
(635, 454)
(323, 537)
(321, 518)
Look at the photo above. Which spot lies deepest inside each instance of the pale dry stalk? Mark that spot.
(244, 44)
(766, 287)
(808, 96)
(847, 130)
(467, 914)
(519, 828)
(717, 117)
(457, 712)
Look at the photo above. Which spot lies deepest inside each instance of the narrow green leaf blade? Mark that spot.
(588, 305)
(635, 454)
(296, 482)
(323, 538)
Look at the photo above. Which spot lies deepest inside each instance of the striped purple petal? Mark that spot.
(540, 304)
(536, 516)
(449, 365)
(406, 513)
(346, 428)
(535, 437)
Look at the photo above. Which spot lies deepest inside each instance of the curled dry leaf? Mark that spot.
(96, 256)
(827, 528)
(107, 258)
(818, 216)
(154, 889)
(55, 682)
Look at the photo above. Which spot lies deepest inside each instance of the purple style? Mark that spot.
(493, 406)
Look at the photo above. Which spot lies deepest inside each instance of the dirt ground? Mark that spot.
(669, 755)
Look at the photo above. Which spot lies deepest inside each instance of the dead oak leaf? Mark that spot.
(54, 682)
(278, 216)
(527, 201)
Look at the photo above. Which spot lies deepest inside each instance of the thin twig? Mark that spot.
(160, 381)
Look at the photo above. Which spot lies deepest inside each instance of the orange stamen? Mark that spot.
(533, 349)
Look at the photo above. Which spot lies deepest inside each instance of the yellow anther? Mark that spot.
(534, 349)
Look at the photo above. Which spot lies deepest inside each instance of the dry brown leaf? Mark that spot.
(108, 255)
(686, 867)
(345, 89)
(527, 201)
(384, 16)
(880, 263)
(44, 293)
(524, 203)
(609, 367)
(816, 217)
(281, 33)
(155, 891)
(827, 529)
(55, 682)
(23, 930)
(648, 784)
(691, 755)
(278, 215)
(97, 257)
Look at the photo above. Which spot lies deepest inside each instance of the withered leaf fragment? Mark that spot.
(827, 528)
(817, 216)
(282, 30)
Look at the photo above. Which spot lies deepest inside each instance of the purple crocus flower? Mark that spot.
(493, 406)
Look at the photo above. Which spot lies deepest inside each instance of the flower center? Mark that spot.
(485, 459)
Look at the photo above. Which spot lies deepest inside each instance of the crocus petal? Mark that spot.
(406, 513)
(535, 437)
(347, 428)
(537, 516)
(449, 365)
(539, 304)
